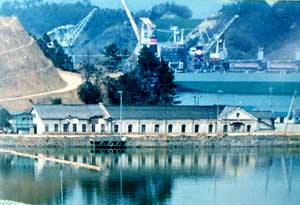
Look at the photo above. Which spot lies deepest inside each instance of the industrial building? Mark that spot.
(157, 120)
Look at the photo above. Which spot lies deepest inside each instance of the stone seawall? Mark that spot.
(153, 141)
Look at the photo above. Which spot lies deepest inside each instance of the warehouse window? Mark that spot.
(143, 128)
(197, 128)
(46, 127)
(183, 128)
(74, 128)
(116, 128)
(156, 128)
(93, 128)
(170, 128)
(66, 127)
(129, 128)
(210, 128)
(55, 127)
(225, 128)
(83, 127)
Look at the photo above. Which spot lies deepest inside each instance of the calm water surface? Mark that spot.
(199, 176)
(276, 103)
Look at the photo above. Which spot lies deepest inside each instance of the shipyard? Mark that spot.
(129, 102)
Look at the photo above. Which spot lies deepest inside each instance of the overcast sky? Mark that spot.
(201, 8)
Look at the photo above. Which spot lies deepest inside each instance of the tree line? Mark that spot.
(150, 83)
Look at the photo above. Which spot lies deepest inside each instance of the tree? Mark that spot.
(90, 93)
(4, 118)
(88, 70)
(56, 101)
(113, 57)
(159, 10)
(165, 87)
(55, 53)
(151, 83)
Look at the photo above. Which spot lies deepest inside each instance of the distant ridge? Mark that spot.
(24, 69)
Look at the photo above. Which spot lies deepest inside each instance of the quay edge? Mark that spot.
(271, 139)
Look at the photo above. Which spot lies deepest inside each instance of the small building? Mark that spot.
(21, 123)
(282, 118)
(284, 123)
(70, 119)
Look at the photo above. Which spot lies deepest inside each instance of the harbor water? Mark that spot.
(274, 102)
(266, 91)
(266, 176)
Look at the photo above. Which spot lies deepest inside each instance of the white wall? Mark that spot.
(79, 122)
(163, 126)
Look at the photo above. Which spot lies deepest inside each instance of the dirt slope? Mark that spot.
(24, 70)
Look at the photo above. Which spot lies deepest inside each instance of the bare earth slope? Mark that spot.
(24, 70)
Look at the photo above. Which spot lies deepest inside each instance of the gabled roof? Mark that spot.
(229, 109)
(250, 110)
(58, 112)
(165, 112)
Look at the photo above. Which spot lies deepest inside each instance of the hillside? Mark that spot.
(276, 28)
(106, 26)
(24, 70)
(163, 24)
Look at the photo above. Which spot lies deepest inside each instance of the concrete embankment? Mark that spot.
(136, 141)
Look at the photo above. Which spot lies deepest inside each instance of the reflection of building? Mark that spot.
(225, 162)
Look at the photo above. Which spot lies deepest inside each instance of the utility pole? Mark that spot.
(218, 108)
(290, 111)
(121, 113)
(271, 97)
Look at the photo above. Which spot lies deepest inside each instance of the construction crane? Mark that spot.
(202, 52)
(67, 35)
(218, 36)
(132, 22)
(144, 35)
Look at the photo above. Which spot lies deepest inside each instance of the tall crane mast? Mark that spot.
(67, 35)
(132, 22)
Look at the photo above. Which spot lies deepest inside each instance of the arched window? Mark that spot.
(210, 128)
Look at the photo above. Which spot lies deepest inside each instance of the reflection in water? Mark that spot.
(211, 176)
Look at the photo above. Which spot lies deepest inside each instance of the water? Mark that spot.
(151, 176)
(276, 103)
(275, 96)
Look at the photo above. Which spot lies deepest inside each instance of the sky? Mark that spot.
(200, 8)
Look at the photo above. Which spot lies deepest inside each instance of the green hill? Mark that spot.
(163, 25)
